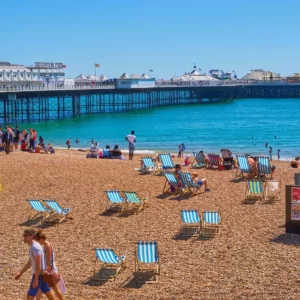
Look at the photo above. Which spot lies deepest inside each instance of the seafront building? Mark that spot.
(260, 74)
(39, 74)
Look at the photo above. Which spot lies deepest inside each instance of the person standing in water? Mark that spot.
(68, 143)
(131, 138)
(270, 152)
(77, 141)
(278, 154)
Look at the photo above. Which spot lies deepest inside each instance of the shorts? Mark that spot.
(200, 182)
(131, 147)
(41, 285)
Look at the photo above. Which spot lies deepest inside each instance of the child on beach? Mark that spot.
(278, 154)
(187, 160)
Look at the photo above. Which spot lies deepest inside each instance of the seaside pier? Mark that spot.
(35, 105)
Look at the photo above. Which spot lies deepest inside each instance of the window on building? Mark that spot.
(0, 75)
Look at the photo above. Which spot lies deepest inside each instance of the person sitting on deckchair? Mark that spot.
(205, 157)
(253, 165)
(295, 162)
(176, 173)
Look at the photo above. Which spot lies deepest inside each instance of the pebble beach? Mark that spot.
(252, 259)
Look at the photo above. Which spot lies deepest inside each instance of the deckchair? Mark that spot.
(135, 201)
(41, 212)
(148, 165)
(116, 201)
(166, 161)
(272, 190)
(190, 222)
(263, 166)
(199, 160)
(147, 262)
(211, 223)
(254, 190)
(171, 183)
(214, 160)
(244, 167)
(188, 184)
(57, 212)
(109, 260)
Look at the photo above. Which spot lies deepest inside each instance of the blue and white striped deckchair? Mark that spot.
(58, 213)
(108, 259)
(148, 165)
(147, 261)
(263, 166)
(116, 200)
(211, 223)
(199, 160)
(135, 201)
(171, 183)
(254, 190)
(188, 184)
(41, 212)
(190, 219)
(166, 161)
(244, 167)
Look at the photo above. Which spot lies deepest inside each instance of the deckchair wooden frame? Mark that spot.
(43, 215)
(277, 196)
(143, 270)
(251, 197)
(210, 229)
(146, 170)
(116, 267)
(184, 227)
(135, 206)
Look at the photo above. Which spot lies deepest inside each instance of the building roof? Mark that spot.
(260, 74)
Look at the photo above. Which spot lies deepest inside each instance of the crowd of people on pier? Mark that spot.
(13, 139)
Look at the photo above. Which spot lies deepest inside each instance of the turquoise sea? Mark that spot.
(244, 126)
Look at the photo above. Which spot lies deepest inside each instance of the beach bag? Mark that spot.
(50, 277)
(61, 286)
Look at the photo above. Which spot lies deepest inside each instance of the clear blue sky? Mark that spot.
(167, 36)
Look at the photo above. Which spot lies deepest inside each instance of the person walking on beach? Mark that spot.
(68, 143)
(50, 264)
(7, 140)
(270, 152)
(131, 138)
(278, 154)
(37, 263)
(182, 149)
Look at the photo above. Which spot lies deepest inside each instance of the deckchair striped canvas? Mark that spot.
(132, 197)
(116, 199)
(211, 217)
(107, 256)
(214, 160)
(263, 165)
(190, 216)
(38, 206)
(148, 162)
(166, 161)
(57, 208)
(243, 164)
(187, 180)
(255, 186)
(147, 252)
(199, 160)
(172, 180)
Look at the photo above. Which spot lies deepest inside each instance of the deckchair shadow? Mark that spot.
(130, 283)
(289, 239)
(91, 282)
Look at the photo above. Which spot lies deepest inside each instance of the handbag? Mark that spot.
(50, 277)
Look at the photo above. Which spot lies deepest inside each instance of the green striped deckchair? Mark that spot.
(135, 201)
(254, 190)
(147, 262)
(199, 160)
(244, 167)
(263, 166)
(108, 259)
(190, 222)
(211, 223)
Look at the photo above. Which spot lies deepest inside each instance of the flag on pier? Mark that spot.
(97, 65)
(151, 70)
